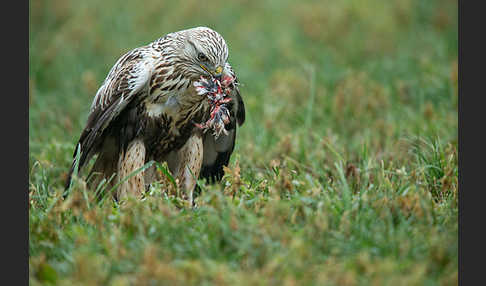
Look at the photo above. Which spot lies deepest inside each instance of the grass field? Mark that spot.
(344, 173)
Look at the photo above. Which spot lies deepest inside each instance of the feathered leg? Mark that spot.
(190, 158)
(193, 156)
(131, 160)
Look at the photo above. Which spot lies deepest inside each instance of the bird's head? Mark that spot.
(203, 52)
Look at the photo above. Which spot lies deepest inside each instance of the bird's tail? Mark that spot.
(75, 167)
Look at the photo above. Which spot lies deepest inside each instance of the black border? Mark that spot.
(472, 62)
(15, 143)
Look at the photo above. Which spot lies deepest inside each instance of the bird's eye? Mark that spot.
(202, 57)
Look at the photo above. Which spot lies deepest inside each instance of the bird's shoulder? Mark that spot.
(128, 76)
(126, 81)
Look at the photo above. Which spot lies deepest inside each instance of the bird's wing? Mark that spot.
(217, 152)
(127, 80)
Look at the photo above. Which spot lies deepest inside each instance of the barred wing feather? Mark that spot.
(126, 81)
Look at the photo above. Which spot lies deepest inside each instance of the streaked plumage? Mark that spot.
(147, 109)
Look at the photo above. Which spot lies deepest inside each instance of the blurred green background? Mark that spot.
(353, 82)
(389, 64)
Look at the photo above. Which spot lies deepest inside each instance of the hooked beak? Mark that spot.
(217, 73)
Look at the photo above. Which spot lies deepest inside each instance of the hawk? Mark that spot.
(149, 108)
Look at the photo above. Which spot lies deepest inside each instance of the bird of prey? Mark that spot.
(149, 108)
